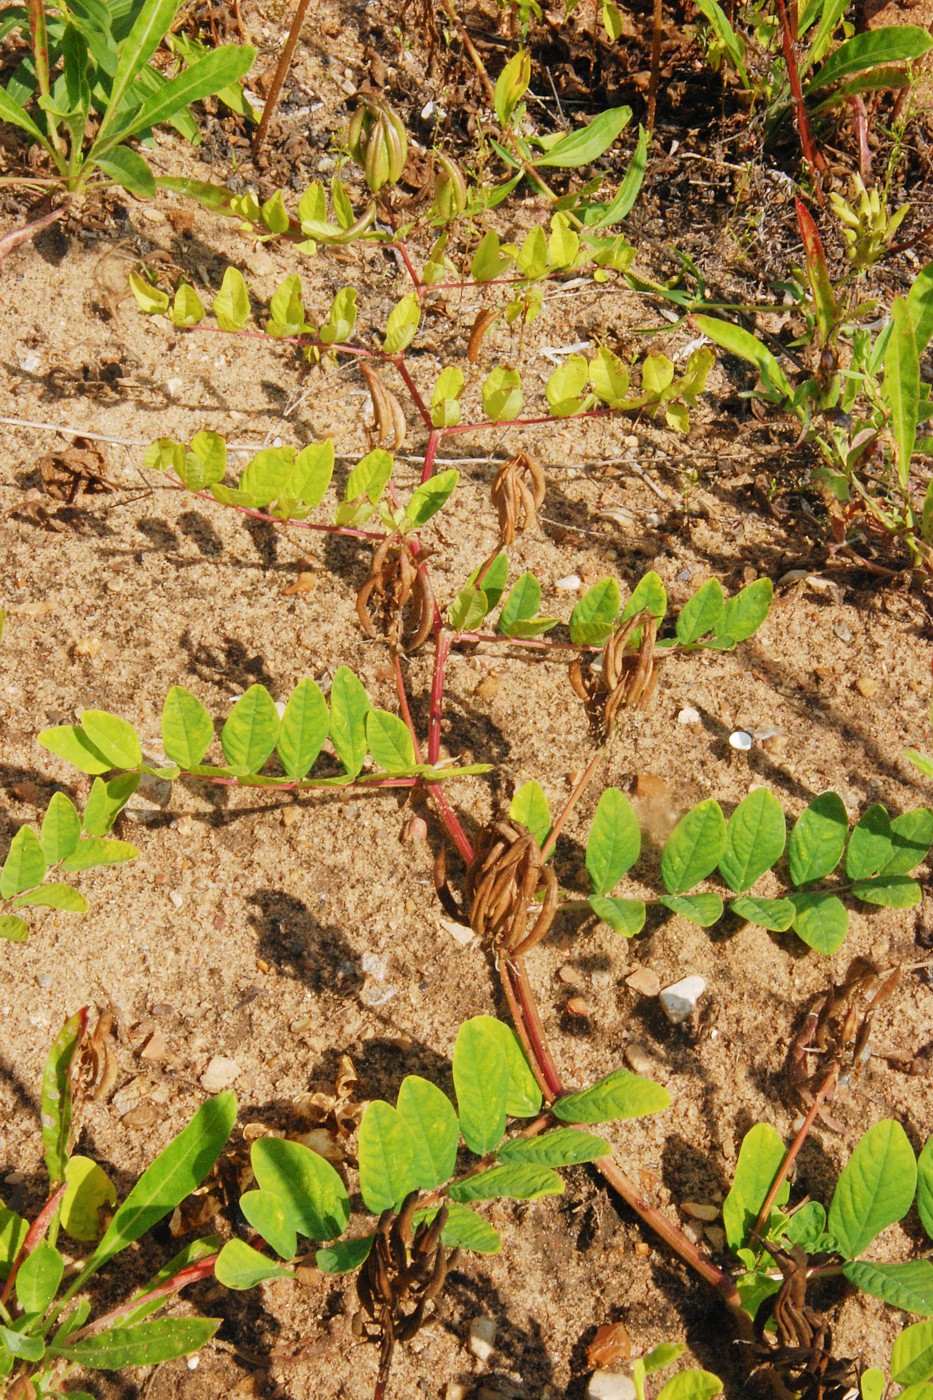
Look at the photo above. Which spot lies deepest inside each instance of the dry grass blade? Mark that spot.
(484, 319)
(623, 676)
(518, 493)
(403, 594)
(501, 884)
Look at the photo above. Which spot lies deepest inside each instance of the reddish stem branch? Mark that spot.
(194, 1273)
(281, 70)
(37, 1232)
(813, 156)
(582, 784)
(793, 1151)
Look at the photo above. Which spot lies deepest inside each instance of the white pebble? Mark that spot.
(569, 584)
(372, 995)
(29, 362)
(173, 387)
(610, 1385)
(738, 739)
(375, 965)
(680, 998)
(689, 715)
(193, 1362)
(460, 933)
(280, 706)
(482, 1338)
(220, 1074)
(176, 898)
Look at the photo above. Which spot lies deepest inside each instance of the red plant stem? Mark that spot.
(410, 268)
(278, 78)
(430, 452)
(441, 653)
(298, 524)
(399, 362)
(37, 1232)
(26, 232)
(572, 800)
(194, 1273)
(792, 1152)
(812, 155)
(404, 707)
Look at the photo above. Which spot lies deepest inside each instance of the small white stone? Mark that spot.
(176, 898)
(29, 362)
(174, 387)
(570, 583)
(610, 1385)
(740, 740)
(680, 998)
(688, 715)
(220, 1074)
(193, 1362)
(482, 1338)
(280, 706)
(460, 933)
(375, 965)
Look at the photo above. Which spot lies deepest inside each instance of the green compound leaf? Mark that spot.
(61, 828)
(389, 1166)
(25, 864)
(530, 807)
(71, 743)
(344, 1256)
(468, 609)
(912, 1354)
(402, 325)
(908, 1286)
(702, 614)
(873, 1383)
(107, 800)
(495, 575)
(777, 915)
(756, 834)
(820, 920)
(312, 1193)
(369, 477)
(519, 612)
(694, 848)
(925, 1187)
(594, 615)
(13, 929)
(311, 474)
(746, 611)
(469, 1230)
(807, 1226)
(818, 839)
(187, 728)
(115, 738)
(349, 706)
(146, 1344)
(614, 843)
(587, 143)
(178, 1170)
(481, 1082)
(503, 399)
(875, 1188)
(563, 1147)
(620, 1095)
(390, 742)
(54, 896)
(691, 1385)
(911, 836)
(625, 916)
(517, 1180)
(252, 730)
(760, 1158)
(266, 476)
(270, 1217)
(231, 304)
(702, 909)
(435, 1133)
(870, 843)
(93, 851)
(649, 593)
(888, 891)
(304, 729)
(239, 1266)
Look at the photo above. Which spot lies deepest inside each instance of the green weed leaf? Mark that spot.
(466, 1229)
(744, 613)
(925, 1187)
(252, 730)
(760, 1158)
(702, 614)
(61, 828)
(746, 346)
(587, 143)
(113, 737)
(502, 394)
(650, 594)
(614, 843)
(820, 920)
(691, 1385)
(756, 834)
(875, 1188)
(13, 929)
(593, 618)
(818, 839)
(563, 1147)
(53, 896)
(518, 616)
(270, 1217)
(694, 848)
(57, 1106)
(428, 499)
(625, 916)
(620, 1095)
(146, 1344)
(519, 1181)
(71, 743)
(481, 1082)
(911, 836)
(349, 706)
(24, 866)
(344, 1256)
(888, 891)
(390, 742)
(432, 1123)
(39, 1276)
(106, 801)
(702, 909)
(777, 915)
(312, 1194)
(369, 477)
(94, 851)
(908, 1286)
(892, 44)
(912, 1354)
(304, 729)
(389, 1166)
(231, 306)
(530, 807)
(902, 385)
(402, 325)
(239, 1266)
(870, 846)
(187, 728)
(89, 1189)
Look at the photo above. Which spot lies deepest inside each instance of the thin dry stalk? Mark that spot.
(281, 71)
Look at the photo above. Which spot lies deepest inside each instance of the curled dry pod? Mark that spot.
(450, 191)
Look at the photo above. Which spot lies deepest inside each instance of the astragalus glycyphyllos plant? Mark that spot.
(47, 1332)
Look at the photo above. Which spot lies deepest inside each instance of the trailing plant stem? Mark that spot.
(582, 783)
(282, 67)
(793, 1151)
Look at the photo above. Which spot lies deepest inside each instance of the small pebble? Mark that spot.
(601, 979)
(576, 1006)
(867, 686)
(456, 1391)
(375, 965)
(679, 1000)
(29, 362)
(716, 1236)
(174, 387)
(688, 715)
(176, 898)
(637, 1058)
(460, 933)
(372, 995)
(569, 584)
(482, 1338)
(289, 815)
(155, 1048)
(700, 1210)
(567, 974)
(738, 739)
(694, 1233)
(610, 1385)
(645, 981)
(611, 1344)
(44, 980)
(220, 1074)
(842, 631)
